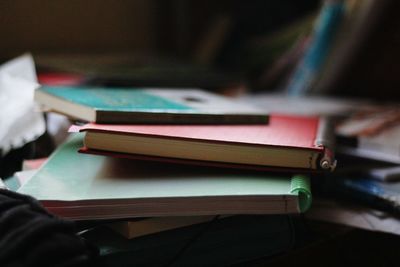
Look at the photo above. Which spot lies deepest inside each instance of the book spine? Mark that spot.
(300, 186)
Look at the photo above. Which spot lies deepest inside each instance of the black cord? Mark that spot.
(192, 240)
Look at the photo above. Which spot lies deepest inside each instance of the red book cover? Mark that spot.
(288, 132)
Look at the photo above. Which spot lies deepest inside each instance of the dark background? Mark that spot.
(176, 28)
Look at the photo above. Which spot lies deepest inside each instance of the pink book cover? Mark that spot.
(282, 131)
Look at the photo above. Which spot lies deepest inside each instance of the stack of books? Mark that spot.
(165, 159)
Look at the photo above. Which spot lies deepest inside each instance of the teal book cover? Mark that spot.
(147, 105)
(80, 186)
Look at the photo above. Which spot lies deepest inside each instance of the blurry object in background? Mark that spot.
(272, 58)
(140, 70)
(209, 47)
(307, 105)
(258, 20)
(370, 123)
(367, 62)
(60, 78)
(386, 174)
(21, 123)
(341, 35)
(324, 32)
(361, 189)
(78, 27)
(202, 44)
(351, 214)
(255, 43)
(266, 39)
(373, 134)
(359, 18)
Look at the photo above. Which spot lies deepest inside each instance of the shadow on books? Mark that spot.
(221, 242)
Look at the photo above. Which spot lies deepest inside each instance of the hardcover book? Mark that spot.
(287, 142)
(83, 187)
(134, 105)
(137, 227)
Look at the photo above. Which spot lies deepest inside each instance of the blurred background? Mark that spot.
(349, 46)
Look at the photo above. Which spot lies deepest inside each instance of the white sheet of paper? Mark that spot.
(20, 121)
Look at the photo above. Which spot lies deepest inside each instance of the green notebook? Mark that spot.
(151, 105)
(80, 186)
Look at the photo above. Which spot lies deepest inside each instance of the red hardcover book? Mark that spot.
(287, 142)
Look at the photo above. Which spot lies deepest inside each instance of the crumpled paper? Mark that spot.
(20, 120)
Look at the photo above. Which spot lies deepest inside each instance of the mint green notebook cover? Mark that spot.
(81, 186)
